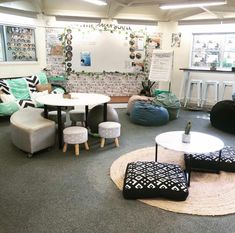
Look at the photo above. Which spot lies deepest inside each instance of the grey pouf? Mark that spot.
(75, 135)
(109, 129)
(152, 179)
(76, 116)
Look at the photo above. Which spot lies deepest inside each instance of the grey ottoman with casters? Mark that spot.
(30, 131)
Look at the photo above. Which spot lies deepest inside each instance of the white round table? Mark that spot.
(77, 99)
(199, 143)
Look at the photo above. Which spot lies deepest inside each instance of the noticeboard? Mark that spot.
(161, 65)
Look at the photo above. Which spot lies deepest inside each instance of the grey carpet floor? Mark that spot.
(56, 192)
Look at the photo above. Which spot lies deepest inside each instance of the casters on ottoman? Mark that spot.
(75, 135)
(109, 129)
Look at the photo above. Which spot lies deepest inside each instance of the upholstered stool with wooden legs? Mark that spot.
(52, 115)
(76, 116)
(109, 129)
(75, 135)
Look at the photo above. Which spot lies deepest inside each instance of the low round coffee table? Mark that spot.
(199, 143)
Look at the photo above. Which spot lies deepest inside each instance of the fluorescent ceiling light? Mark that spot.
(190, 4)
(97, 2)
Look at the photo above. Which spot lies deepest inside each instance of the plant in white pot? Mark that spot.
(186, 135)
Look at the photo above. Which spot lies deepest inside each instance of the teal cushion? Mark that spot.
(42, 78)
(19, 88)
(7, 109)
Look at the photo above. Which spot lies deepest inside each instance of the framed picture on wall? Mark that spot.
(20, 43)
(2, 51)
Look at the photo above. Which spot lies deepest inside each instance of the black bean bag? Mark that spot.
(222, 116)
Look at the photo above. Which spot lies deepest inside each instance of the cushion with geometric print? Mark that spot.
(152, 179)
(203, 162)
(209, 161)
(25, 103)
(227, 162)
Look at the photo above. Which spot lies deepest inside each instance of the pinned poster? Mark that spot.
(161, 65)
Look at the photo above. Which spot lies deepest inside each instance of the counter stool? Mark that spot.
(76, 116)
(109, 129)
(198, 84)
(52, 115)
(207, 84)
(225, 85)
(75, 135)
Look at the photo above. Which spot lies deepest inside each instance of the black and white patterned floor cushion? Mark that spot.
(209, 161)
(227, 162)
(152, 179)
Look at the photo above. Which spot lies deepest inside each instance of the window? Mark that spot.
(2, 53)
(17, 44)
(213, 49)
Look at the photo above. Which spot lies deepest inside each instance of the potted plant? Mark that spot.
(186, 135)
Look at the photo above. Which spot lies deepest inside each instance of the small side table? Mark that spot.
(200, 143)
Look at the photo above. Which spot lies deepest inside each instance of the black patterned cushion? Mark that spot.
(153, 179)
(209, 161)
(26, 103)
(32, 82)
(227, 162)
(4, 88)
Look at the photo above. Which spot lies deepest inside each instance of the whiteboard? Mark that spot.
(106, 51)
(161, 65)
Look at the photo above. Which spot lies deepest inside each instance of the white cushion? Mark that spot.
(7, 98)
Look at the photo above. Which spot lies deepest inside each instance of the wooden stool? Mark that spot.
(76, 116)
(52, 115)
(75, 135)
(109, 129)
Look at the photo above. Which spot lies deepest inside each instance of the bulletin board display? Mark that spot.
(104, 51)
(100, 48)
(161, 65)
(20, 43)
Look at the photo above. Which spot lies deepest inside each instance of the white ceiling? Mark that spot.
(119, 9)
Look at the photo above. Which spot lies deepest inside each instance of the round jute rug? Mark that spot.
(209, 193)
